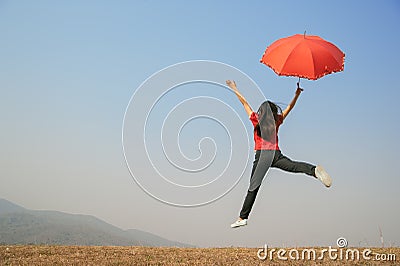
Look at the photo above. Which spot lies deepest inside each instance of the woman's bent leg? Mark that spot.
(286, 164)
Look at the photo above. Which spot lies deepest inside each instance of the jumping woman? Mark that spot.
(266, 124)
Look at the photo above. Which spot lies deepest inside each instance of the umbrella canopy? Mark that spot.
(303, 56)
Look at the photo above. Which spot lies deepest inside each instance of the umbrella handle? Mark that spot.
(298, 85)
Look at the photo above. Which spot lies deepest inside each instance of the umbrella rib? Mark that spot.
(331, 56)
(292, 52)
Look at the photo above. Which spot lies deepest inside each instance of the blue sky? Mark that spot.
(69, 69)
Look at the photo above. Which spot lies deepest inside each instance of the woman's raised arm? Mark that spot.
(231, 84)
(292, 103)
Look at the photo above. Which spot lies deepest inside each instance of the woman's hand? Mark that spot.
(298, 90)
(231, 84)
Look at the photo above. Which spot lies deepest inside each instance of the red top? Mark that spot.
(260, 143)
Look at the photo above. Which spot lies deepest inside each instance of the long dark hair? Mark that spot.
(268, 115)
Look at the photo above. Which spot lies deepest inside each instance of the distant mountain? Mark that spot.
(9, 207)
(22, 226)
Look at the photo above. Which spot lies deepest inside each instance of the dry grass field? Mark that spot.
(106, 255)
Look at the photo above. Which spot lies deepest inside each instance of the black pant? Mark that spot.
(263, 160)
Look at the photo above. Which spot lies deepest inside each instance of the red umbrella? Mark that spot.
(303, 56)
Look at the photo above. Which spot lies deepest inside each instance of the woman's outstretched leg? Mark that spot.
(246, 208)
(261, 164)
(248, 203)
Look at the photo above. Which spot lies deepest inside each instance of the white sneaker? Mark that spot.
(239, 223)
(323, 176)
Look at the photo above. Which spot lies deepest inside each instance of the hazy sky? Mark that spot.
(69, 69)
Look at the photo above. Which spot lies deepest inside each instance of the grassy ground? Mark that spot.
(93, 255)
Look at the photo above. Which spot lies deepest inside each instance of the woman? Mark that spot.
(266, 124)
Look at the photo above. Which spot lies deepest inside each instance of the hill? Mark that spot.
(22, 226)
